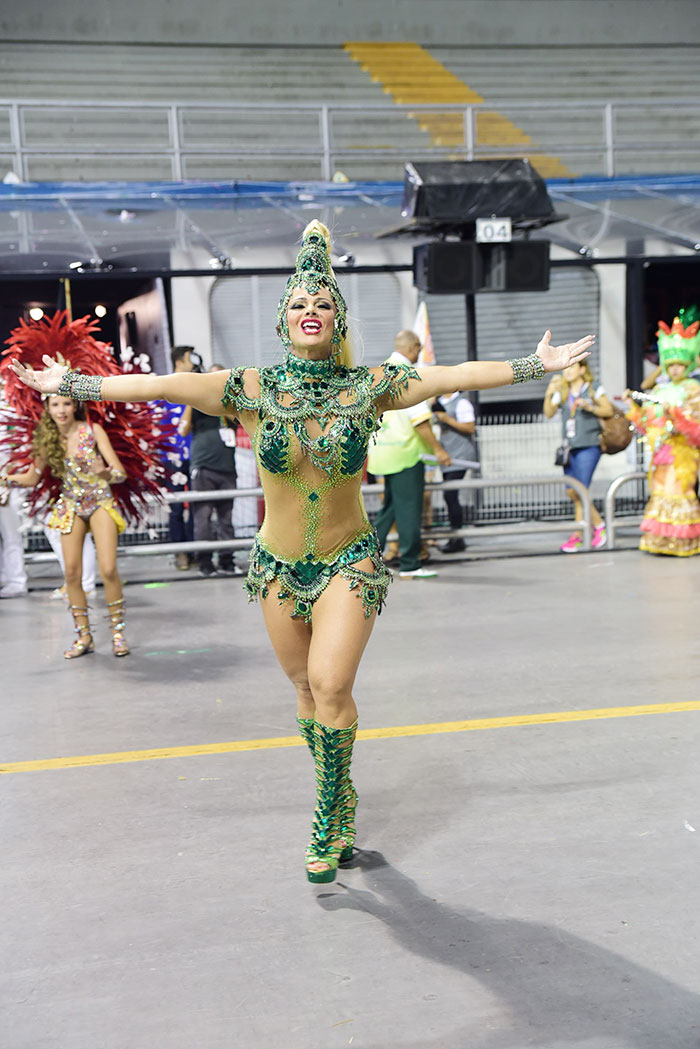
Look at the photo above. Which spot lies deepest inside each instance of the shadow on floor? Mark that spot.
(562, 992)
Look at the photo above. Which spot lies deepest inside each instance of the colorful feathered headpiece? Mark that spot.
(678, 344)
(140, 434)
(314, 271)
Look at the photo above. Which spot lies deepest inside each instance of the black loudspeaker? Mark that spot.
(518, 266)
(458, 192)
(448, 269)
(464, 267)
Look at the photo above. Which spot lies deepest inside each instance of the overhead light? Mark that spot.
(36, 313)
(75, 265)
(100, 310)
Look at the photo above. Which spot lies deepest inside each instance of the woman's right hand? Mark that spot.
(46, 381)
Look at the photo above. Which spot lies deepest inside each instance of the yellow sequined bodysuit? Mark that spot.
(82, 491)
(310, 423)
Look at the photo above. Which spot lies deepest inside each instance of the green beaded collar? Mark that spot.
(303, 368)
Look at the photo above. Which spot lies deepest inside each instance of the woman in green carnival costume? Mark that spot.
(316, 564)
(669, 420)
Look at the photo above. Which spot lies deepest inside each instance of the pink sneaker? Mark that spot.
(600, 537)
(572, 545)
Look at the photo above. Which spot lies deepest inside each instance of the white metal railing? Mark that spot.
(611, 522)
(610, 144)
(509, 528)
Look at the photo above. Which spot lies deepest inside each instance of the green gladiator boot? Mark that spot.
(349, 798)
(306, 731)
(332, 755)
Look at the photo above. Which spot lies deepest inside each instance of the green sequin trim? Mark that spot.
(332, 749)
(314, 390)
(302, 582)
(343, 404)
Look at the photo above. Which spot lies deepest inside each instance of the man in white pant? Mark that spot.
(13, 578)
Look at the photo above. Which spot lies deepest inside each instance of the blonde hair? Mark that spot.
(344, 354)
(587, 377)
(49, 444)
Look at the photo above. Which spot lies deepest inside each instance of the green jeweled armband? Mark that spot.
(81, 387)
(526, 368)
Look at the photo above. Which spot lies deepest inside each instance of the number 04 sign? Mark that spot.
(493, 231)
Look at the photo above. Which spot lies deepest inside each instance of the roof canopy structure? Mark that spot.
(170, 227)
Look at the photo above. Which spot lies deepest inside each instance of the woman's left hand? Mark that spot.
(46, 381)
(100, 468)
(557, 358)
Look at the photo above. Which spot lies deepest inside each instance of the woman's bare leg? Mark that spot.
(104, 532)
(321, 661)
(596, 519)
(72, 550)
(321, 658)
(290, 639)
(339, 636)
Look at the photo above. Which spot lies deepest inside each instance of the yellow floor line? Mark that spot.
(555, 717)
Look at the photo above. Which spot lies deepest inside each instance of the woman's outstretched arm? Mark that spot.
(201, 391)
(484, 375)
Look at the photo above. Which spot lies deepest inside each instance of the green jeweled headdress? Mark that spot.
(313, 271)
(680, 343)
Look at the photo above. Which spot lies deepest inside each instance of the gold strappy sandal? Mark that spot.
(116, 619)
(83, 642)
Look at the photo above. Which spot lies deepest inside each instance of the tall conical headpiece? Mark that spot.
(678, 344)
(314, 271)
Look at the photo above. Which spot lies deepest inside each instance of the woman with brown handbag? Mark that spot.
(582, 408)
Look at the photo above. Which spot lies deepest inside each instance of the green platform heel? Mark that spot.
(349, 794)
(335, 801)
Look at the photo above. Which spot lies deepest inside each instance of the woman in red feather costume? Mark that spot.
(77, 464)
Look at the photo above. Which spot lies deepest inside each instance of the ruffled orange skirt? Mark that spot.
(671, 525)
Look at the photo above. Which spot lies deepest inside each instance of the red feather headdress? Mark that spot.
(140, 434)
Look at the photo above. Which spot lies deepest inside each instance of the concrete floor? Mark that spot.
(535, 885)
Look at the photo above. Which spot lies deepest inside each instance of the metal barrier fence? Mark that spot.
(593, 136)
(369, 491)
(510, 446)
(612, 524)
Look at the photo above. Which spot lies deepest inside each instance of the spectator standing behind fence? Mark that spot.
(213, 468)
(582, 406)
(180, 523)
(13, 577)
(404, 437)
(457, 420)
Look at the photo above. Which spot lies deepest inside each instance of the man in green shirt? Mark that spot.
(404, 437)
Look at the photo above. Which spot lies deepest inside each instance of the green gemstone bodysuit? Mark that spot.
(310, 423)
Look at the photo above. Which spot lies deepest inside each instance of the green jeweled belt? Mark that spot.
(303, 581)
